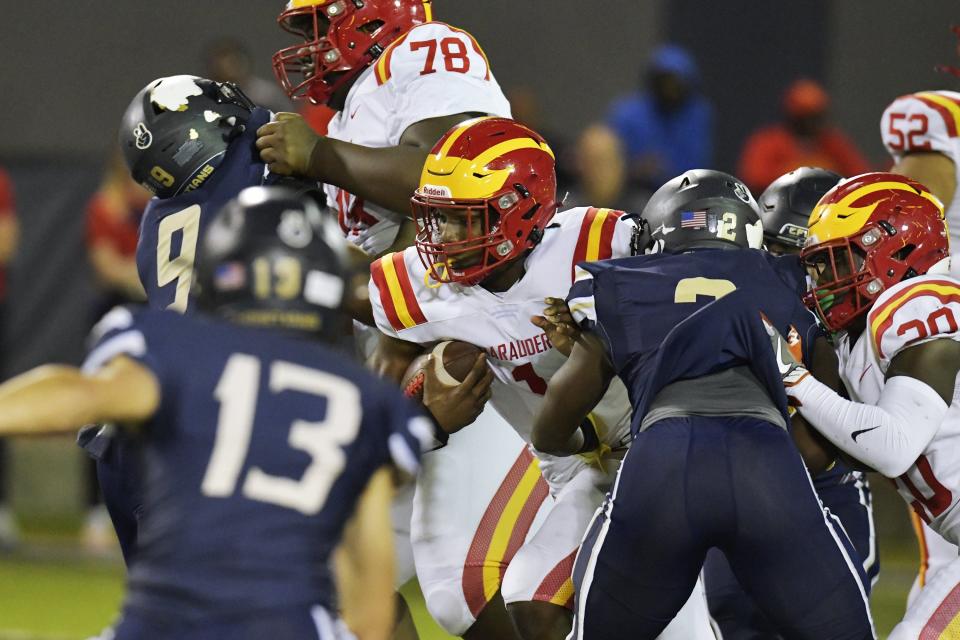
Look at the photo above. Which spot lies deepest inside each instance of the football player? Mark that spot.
(257, 443)
(921, 132)
(398, 81)
(785, 208)
(190, 141)
(489, 250)
(712, 462)
(878, 254)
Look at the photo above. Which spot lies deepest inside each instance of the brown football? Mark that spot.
(454, 361)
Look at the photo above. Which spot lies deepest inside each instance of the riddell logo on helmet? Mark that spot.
(435, 191)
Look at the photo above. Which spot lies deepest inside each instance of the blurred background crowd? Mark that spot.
(629, 94)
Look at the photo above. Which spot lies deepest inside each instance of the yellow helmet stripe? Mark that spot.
(848, 220)
(504, 148)
(455, 135)
(300, 4)
(428, 10)
(952, 107)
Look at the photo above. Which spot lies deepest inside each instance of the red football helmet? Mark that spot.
(340, 39)
(867, 234)
(487, 191)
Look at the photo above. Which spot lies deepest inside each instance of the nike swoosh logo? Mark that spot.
(860, 432)
(784, 367)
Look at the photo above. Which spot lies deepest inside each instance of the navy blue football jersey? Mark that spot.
(669, 317)
(171, 228)
(253, 462)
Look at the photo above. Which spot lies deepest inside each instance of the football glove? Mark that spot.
(791, 370)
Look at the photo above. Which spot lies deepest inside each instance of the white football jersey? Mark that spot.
(434, 70)
(409, 305)
(913, 312)
(928, 121)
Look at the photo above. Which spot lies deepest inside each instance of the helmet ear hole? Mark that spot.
(906, 251)
(371, 27)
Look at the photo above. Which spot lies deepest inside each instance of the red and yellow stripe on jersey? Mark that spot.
(475, 44)
(944, 624)
(382, 67)
(399, 302)
(502, 530)
(557, 587)
(882, 318)
(947, 107)
(596, 236)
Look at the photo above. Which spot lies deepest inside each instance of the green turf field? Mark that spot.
(56, 594)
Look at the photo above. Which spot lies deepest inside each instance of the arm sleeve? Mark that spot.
(889, 436)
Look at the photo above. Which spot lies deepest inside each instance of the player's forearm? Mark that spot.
(888, 437)
(386, 176)
(573, 392)
(365, 564)
(49, 399)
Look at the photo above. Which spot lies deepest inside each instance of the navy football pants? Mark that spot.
(733, 610)
(738, 484)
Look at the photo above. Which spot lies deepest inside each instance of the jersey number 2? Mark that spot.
(323, 441)
(455, 58)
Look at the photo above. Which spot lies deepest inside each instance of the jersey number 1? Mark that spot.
(322, 440)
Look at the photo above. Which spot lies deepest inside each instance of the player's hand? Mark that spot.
(791, 370)
(557, 322)
(286, 144)
(454, 407)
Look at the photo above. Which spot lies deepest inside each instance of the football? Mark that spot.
(453, 358)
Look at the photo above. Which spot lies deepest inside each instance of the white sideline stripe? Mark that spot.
(846, 557)
(871, 559)
(592, 562)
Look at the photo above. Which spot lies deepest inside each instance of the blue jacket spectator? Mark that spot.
(666, 127)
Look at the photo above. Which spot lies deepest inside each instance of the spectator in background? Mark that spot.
(228, 60)
(113, 226)
(601, 173)
(667, 127)
(803, 139)
(9, 232)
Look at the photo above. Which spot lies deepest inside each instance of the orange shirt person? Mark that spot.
(802, 139)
